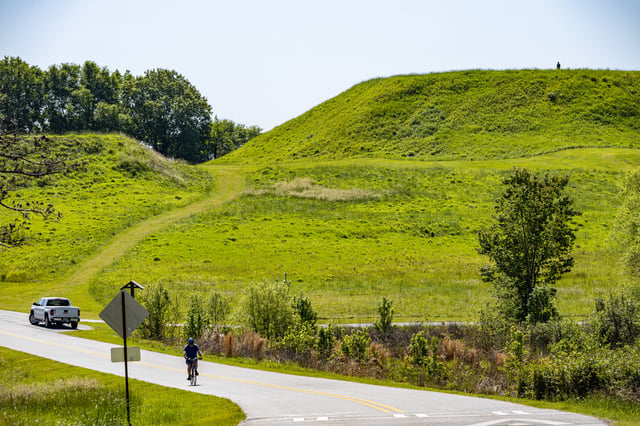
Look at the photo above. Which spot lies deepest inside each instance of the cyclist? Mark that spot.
(191, 352)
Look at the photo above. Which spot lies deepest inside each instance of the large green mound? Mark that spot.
(471, 115)
(353, 200)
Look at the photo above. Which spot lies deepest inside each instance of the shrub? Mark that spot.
(617, 320)
(418, 350)
(557, 335)
(158, 303)
(197, 319)
(566, 376)
(385, 310)
(218, 309)
(423, 355)
(325, 341)
(302, 307)
(268, 309)
(355, 345)
(493, 330)
(298, 339)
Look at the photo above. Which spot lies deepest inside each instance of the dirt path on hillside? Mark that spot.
(229, 183)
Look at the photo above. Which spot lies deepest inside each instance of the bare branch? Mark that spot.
(23, 158)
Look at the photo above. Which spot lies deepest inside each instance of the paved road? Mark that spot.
(279, 399)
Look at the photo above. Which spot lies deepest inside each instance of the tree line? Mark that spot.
(161, 108)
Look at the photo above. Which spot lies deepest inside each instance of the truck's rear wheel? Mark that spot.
(74, 325)
(33, 319)
(47, 323)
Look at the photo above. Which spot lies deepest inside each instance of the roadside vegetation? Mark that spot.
(589, 367)
(33, 389)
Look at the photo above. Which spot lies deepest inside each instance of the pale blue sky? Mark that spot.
(264, 62)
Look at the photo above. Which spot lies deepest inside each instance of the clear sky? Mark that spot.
(263, 62)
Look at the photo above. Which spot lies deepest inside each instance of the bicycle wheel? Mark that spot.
(193, 374)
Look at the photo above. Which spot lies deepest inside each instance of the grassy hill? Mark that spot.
(121, 184)
(370, 194)
(472, 115)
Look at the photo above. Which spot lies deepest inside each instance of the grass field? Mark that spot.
(33, 389)
(348, 233)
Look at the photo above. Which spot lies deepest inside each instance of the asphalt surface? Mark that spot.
(270, 398)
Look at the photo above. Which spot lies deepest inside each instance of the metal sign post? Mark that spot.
(126, 362)
(123, 314)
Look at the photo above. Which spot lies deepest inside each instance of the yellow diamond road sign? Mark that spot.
(135, 313)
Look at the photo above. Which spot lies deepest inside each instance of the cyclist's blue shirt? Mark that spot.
(191, 351)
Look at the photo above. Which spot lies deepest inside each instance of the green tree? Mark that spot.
(61, 82)
(227, 136)
(80, 110)
(529, 244)
(169, 114)
(99, 101)
(104, 86)
(21, 94)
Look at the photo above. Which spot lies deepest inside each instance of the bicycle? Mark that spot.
(193, 374)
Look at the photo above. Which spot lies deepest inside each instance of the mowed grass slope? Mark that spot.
(349, 233)
(374, 194)
(381, 190)
(461, 115)
(121, 184)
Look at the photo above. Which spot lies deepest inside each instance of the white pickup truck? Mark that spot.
(54, 310)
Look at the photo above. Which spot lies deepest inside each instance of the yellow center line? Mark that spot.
(375, 405)
(378, 406)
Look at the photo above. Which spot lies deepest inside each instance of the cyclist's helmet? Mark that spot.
(191, 340)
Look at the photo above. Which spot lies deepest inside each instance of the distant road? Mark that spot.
(279, 399)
